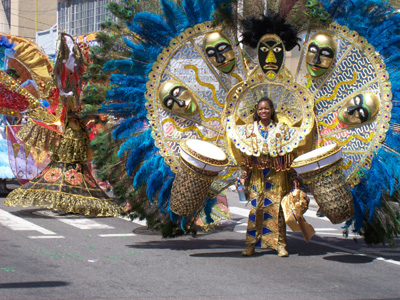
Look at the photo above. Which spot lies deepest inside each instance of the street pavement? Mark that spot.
(47, 255)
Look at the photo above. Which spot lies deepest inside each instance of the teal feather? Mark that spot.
(175, 16)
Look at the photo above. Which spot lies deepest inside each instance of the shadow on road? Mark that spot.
(32, 284)
(349, 259)
(331, 248)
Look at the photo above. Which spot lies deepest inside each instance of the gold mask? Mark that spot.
(359, 109)
(320, 55)
(219, 51)
(177, 98)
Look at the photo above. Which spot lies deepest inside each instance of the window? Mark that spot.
(77, 17)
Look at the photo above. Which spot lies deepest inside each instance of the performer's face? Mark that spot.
(177, 98)
(271, 55)
(359, 109)
(320, 54)
(265, 111)
(219, 51)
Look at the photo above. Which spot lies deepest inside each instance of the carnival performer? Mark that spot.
(66, 183)
(268, 184)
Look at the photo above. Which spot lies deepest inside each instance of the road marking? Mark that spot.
(18, 224)
(244, 212)
(312, 214)
(136, 221)
(241, 224)
(81, 222)
(117, 234)
(329, 233)
(46, 237)
(391, 261)
(84, 224)
(325, 229)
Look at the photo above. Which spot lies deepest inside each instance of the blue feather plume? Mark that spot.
(136, 157)
(144, 25)
(128, 66)
(165, 194)
(175, 16)
(135, 141)
(146, 169)
(141, 52)
(128, 80)
(192, 10)
(128, 127)
(154, 184)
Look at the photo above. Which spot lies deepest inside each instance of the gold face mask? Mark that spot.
(177, 98)
(219, 51)
(320, 54)
(359, 109)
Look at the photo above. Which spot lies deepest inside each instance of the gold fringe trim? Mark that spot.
(89, 206)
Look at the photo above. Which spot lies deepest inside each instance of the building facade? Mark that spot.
(80, 17)
(25, 18)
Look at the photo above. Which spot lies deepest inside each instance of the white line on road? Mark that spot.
(84, 223)
(244, 212)
(312, 214)
(329, 233)
(17, 223)
(46, 237)
(136, 221)
(117, 234)
(80, 222)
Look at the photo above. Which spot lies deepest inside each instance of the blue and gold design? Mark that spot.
(357, 70)
(186, 64)
(264, 228)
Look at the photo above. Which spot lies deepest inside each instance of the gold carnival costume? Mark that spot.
(66, 183)
(268, 181)
(268, 185)
(184, 77)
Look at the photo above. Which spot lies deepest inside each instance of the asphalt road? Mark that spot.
(44, 255)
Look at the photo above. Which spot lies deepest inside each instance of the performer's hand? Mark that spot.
(78, 167)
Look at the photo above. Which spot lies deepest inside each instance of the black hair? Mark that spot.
(271, 23)
(256, 117)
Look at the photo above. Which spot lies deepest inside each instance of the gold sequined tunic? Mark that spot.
(66, 184)
(266, 226)
(268, 183)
